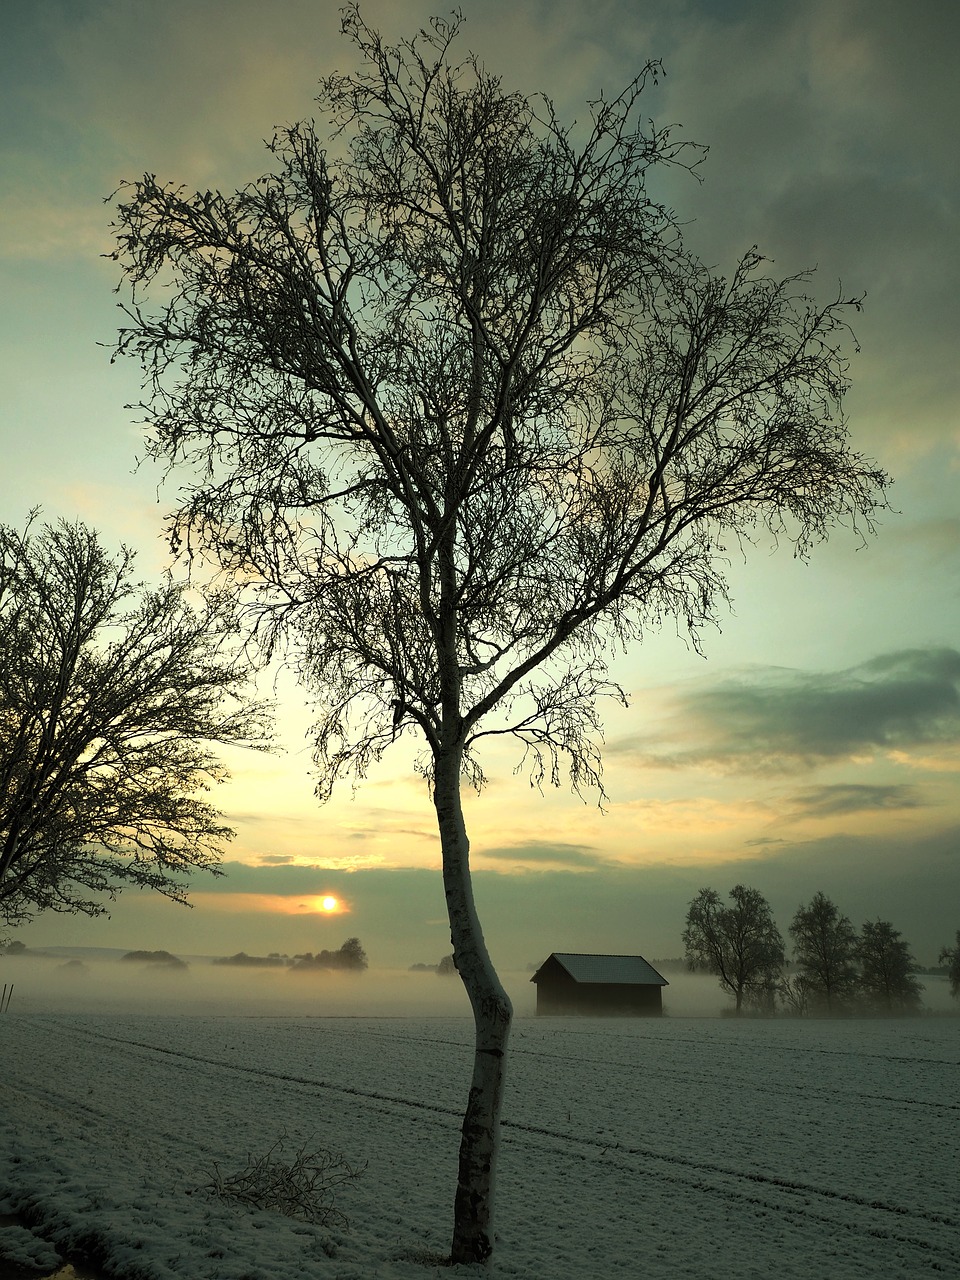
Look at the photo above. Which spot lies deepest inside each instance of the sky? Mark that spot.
(815, 745)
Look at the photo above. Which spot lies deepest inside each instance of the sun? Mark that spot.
(329, 903)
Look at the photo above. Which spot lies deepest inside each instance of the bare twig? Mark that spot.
(301, 1185)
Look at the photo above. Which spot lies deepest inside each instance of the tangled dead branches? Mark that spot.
(300, 1185)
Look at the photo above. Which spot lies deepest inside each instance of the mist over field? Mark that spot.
(59, 984)
(78, 981)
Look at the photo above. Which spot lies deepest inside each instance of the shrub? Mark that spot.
(301, 1185)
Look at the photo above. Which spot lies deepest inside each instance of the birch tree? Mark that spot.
(463, 417)
(111, 696)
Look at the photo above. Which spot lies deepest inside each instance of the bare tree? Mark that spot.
(951, 956)
(887, 968)
(465, 417)
(739, 943)
(825, 943)
(794, 992)
(109, 697)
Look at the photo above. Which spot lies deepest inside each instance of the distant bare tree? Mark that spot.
(887, 968)
(739, 943)
(110, 695)
(951, 957)
(465, 418)
(794, 992)
(825, 943)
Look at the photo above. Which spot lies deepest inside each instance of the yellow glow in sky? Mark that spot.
(274, 903)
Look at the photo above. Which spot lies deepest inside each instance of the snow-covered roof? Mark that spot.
(612, 969)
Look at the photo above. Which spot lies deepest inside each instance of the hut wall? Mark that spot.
(600, 999)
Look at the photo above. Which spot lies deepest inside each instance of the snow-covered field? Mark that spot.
(681, 1147)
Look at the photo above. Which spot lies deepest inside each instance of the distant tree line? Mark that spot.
(835, 970)
(350, 956)
(155, 959)
(272, 961)
(446, 968)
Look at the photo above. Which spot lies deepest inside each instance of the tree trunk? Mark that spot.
(473, 1236)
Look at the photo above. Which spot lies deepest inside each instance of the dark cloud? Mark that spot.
(375, 832)
(911, 880)
(832, 146)
(556, 854)
(774, 721)
(822, 802)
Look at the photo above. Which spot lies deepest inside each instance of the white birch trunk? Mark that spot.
(473, 1235)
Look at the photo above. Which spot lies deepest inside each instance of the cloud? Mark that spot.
(843, 798)
(772, 721)
(831, 146)
(556, 854)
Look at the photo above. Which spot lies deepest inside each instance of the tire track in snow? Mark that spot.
(947, 1262)
(803, 1089)
(598, 1146)
(786, 1049)
(761, 1179)
(82, 1114)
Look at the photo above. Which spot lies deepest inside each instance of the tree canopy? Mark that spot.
(825, 943)
(740, 943)
(887, 968)
(350, 955)
(448, 379)
(111, 695)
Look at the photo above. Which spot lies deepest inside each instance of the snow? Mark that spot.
(668, 1148)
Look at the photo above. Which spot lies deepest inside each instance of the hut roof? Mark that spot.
(626, 970)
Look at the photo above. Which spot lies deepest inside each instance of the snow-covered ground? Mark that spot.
(681, 1147)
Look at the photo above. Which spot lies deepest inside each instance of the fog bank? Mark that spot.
(75, 981)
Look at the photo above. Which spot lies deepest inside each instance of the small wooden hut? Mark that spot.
(568, 983)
